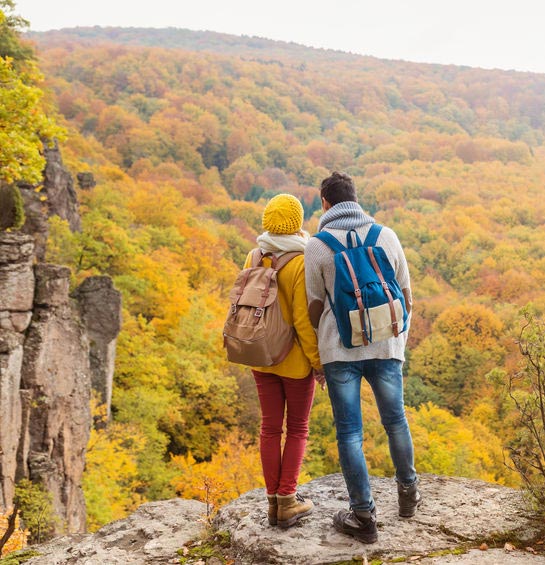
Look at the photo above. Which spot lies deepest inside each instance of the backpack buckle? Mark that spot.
(259, 312)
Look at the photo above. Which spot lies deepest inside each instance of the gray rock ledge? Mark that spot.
(152, 534)
(455, 513)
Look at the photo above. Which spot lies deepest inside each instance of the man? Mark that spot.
(380, 363)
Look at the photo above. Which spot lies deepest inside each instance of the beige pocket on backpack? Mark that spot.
(355, 323)
(378, 321)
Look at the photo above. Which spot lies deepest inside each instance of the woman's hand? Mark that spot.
(320, 378)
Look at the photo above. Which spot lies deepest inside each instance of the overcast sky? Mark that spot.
(505, 34)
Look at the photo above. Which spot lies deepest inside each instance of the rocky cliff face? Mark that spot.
(16, 299)
(54, 348)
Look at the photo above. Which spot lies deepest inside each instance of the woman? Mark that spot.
(287, 387)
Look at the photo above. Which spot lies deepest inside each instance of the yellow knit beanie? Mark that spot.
(283, 215)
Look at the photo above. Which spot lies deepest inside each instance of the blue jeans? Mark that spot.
(344, 384)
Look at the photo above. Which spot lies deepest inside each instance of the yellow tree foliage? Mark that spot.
(23, 124)
(470, 324)
(165, 278)
(447, 445)
(156, 204)
(110, 480)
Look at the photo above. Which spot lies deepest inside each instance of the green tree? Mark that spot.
(10, 27)
(24, 125)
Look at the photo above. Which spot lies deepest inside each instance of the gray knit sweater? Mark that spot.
(320, 276)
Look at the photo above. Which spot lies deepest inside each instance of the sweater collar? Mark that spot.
(345, 216)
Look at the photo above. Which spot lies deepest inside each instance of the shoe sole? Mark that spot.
(291, 521)
(366, 539)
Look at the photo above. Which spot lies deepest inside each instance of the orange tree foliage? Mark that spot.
(18, 538)
(234, 469)
(186, 147)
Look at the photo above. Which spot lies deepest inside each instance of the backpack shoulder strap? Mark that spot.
(331, 241)
(284, 259)
(257, 257)
(372, 235)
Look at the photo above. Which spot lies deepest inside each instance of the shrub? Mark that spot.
(12, 210)
(36, 509)
(527, 389)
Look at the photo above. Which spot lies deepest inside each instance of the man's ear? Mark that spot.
(325, 205)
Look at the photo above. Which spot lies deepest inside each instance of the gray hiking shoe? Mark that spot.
(360, 525)
(409, 499)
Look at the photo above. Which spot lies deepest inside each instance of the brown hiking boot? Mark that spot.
(292, 507)
(409, 499)
(273, 509)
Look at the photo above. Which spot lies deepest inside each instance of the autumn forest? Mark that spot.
(187, 134)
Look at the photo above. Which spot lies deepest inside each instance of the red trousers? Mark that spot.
(279, 395)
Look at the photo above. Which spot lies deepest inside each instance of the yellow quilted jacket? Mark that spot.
(292, 296)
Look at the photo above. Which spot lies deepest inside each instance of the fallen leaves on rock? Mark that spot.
(509, 547)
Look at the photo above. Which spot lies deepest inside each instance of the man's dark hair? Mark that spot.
(339, 187)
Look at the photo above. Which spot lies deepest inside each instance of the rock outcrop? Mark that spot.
(55, 396)
(153, 534)
(55, 197)
(100, 310)
(17, 284)
(54, 348)
(456, 513)
(461, 521)
(51, 350)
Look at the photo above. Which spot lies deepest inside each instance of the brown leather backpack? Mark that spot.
(255, 332)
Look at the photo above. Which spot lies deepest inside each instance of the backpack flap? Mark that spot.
(254, 287)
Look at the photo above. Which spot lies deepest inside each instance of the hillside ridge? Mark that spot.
(226, 44)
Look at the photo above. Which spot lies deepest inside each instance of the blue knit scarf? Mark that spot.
(345, 216)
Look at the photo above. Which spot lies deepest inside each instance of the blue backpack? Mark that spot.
(368, 303)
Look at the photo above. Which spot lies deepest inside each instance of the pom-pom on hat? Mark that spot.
(283, 215)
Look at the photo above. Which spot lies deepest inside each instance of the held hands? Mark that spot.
(320, 378)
